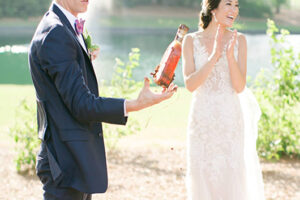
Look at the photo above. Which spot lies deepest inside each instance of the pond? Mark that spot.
(117, 43)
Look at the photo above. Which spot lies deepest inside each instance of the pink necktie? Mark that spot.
(79, 26)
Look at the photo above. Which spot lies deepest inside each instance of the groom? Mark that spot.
(71, 163)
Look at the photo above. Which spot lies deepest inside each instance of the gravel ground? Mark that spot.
(142, 172)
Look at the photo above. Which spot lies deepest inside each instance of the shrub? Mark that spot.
(24, 133)
(278, 92)
(122, 85)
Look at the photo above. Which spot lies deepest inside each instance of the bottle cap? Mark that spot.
(183, 29)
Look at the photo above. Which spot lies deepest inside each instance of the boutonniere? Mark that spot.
(93, 49)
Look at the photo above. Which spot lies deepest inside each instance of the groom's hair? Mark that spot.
(205, 15)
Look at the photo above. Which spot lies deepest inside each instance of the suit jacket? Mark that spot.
(69, 108)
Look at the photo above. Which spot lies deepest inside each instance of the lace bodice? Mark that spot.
(218, 80)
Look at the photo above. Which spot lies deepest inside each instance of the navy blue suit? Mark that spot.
(69, 108)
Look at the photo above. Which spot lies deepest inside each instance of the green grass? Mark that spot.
(164, 121)
(11, 96)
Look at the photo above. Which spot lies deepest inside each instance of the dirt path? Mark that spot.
(146, 173)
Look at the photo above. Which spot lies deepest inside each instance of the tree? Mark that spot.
(278, 4)
(28, 8)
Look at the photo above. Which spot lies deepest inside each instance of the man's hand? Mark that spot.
(147, 98)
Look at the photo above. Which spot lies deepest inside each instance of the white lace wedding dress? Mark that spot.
(222, 132)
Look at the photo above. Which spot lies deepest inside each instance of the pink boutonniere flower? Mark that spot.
(79, 24)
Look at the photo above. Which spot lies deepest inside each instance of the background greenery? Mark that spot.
(33, 8)
(277, 91)
(27, 8)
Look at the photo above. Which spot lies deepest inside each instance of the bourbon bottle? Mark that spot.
(165, 72)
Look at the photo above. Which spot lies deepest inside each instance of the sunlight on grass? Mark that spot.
(167, 120)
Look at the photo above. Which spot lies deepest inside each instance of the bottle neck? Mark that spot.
(179, 37)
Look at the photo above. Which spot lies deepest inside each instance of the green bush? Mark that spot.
(122, 85)
(278, 92)
(24, 133)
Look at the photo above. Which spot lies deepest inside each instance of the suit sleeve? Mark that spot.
(58, 59)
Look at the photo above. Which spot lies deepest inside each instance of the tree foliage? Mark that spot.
(32, 8)
(28, 8)
(278, 4)
(253, 8)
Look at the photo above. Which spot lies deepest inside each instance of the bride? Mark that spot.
(222, 129)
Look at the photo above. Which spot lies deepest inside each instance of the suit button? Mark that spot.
(100, 134)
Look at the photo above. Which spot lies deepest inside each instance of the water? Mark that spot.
(116, 43)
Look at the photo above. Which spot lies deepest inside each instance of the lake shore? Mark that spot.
(156, 19)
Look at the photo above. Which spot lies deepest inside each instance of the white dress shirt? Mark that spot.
(72, 20)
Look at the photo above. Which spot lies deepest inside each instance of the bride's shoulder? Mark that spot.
(192, 37)
(194, 34)
(241, 40)
(188, 38)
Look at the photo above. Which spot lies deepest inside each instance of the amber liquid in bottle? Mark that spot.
(165, 72)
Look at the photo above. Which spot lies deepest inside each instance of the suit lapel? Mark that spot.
(84, 42)
(66, 22)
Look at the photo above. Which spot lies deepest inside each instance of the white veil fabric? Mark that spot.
(251, 115)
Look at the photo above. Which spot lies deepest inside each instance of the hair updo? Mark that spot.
(205, 15)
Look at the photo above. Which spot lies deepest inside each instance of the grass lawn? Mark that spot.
(164, 121)
(11, 96)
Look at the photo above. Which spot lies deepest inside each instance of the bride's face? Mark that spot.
(227, 12)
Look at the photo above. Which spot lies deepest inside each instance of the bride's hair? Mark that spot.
(205, 15)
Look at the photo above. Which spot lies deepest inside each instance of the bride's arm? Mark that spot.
(238, 69)
(192, 78)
